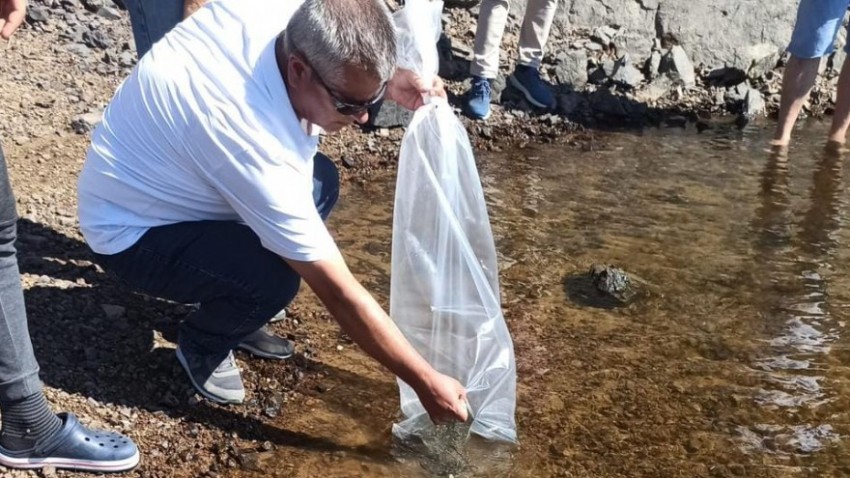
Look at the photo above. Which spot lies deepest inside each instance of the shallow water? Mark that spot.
(733, 362)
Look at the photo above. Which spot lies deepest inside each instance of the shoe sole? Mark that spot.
(516, 84)
(71, 464)
(200, 389)
(475, 117)
(278, 317)
(259, 353)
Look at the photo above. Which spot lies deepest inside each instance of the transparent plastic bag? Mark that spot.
(444, 292)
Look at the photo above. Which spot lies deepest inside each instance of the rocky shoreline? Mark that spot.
(604, 74)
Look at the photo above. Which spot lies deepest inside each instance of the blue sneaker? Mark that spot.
(478, 98)
(527, 80)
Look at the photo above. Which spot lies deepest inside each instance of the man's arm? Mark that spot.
(190, 6)
(365, 321)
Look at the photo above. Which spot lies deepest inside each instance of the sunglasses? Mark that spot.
(343, 107)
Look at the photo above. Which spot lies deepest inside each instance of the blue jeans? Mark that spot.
(151, 20)
(222, 265)
(18, 367)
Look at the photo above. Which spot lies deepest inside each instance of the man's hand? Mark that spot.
(407, 88)
(12, 14)
(444, 398)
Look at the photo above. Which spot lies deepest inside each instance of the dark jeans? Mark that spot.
(222, 265)
(151, 20)
(18, 367)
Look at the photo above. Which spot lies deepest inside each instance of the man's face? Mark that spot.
(332, 106)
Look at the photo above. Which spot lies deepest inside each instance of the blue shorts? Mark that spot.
(817, 26)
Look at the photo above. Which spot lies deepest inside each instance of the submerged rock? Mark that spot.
(613, 282)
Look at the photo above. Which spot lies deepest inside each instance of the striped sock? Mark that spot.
(26, 421)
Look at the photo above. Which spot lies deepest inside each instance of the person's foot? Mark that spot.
(214, 376)
(527, 80)
(835, 147)
(278, 317)
(780, 142)
(76, 447)
(266, 345)
(478, 98)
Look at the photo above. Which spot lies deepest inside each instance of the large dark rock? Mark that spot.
(613, 282)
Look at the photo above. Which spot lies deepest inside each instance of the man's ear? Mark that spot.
(297, 72)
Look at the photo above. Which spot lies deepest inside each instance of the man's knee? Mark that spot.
(276, 289)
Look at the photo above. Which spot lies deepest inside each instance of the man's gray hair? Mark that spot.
(334, 34)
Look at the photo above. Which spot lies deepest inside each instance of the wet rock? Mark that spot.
(704, 125)
(754, 105)
(676, 121)
(677, 65)
(84, 123)
(737, 93)
(613, 282)
(571, 68)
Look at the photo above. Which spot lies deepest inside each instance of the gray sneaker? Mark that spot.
(264, 344)
(278, 317)
(213, 376)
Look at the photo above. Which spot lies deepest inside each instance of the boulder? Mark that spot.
(571, 68)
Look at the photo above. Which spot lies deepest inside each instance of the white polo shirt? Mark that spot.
(203, 129)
